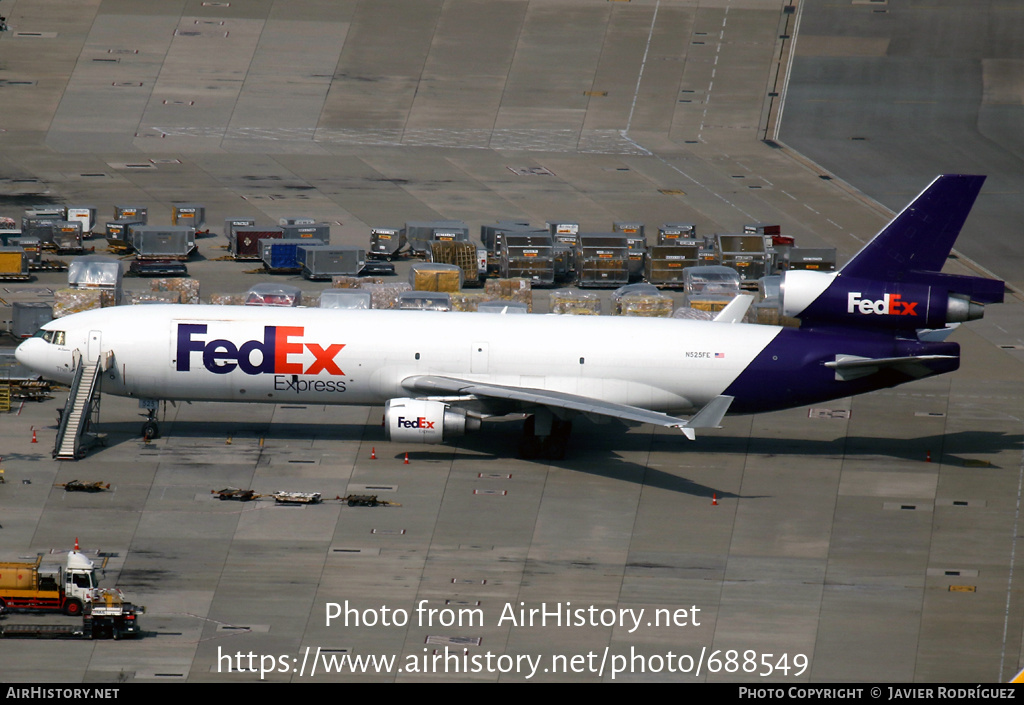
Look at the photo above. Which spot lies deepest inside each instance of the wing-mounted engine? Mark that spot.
(921, 300)
(425, 421)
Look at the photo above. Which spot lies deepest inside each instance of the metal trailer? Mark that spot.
(28, 317)
(13, 264)
(190, 214)
(461, 254)
(822, 259)
(244, 244)
(30, 246)
(425, 301)
(67, 236)
(176, 242)
(602, 260)
(321, 262)
(528, 256)
(746, 254)
(386, 243)
(666, 263)
(139, 213)
(86, 215)
(672, 233)
(281, 256)
(316, 231)
(419, 234)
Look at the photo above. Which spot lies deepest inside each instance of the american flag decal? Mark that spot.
(719, 355)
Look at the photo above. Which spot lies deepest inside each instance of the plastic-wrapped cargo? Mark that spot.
(692, 314)
(349, 299)
(311, 299)
(151, 297)
(431, 276)
(424, 301)
(502, 307)
(639, 289)
(347, 282)
(244, 243)
(96, 272)
(188, 289)
(385, 295)
(228, 299)
(647, 305)
(519, 290)
(578, 303)
(163, 241)
(270, 294)
(715, 278)
(468, 300)
(68, 301)
(13, 263)
(322, 262)
(29, 316)
(283, 255)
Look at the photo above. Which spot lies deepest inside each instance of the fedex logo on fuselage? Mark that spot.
(419, 422)
(891, 304)
(278, 353)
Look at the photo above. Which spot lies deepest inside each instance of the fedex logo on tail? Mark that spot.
(280, 352)
(889, 304)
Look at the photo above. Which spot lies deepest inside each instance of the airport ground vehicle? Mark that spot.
(31, 585)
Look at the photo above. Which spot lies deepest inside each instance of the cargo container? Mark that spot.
(573, 302)
(175, 242)
(13, 264)
(301, 220)
(232, 224)
(119, 231)
(665, 263)
(822, 259)
(322, 262)
(419, 234)
(28, 317)
(282, 255)
(30, 246)
(424, 301)
(244, 244)
(461, 254)
(86, 215)
(345, 299)
(139, 213)
(673, 233)
(39, 228)
(602, 260)
(746, 254)
(711, 279)
(529, 256)
(315, 231)
(386, 243)
(190, 214)
(270, 294)
(490, 235)
(67, 236)
(96, 272)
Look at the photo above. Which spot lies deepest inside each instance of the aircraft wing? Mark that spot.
(710, 416)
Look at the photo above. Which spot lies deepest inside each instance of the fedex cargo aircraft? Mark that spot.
(879, 321)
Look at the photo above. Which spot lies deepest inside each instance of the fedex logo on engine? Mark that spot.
(280, 352)
(889, 304)
(420, 422)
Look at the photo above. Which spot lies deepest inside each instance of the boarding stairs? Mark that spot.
(73, 437)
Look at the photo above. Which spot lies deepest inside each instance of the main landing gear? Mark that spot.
(544, 436)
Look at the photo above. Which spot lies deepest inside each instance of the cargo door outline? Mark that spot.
(479, 358)
(95, 347)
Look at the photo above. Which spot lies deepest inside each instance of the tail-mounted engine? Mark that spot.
(920, 300)
(421, 421)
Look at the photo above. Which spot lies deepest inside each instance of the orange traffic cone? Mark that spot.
(928, 457)
(373, 453)
(406, 459)
(34, 436)
(714, 499)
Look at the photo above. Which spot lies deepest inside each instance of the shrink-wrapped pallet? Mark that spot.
(647, 305)
(345, 282)
(516, 289)
(345, 299)
(692, 314)
(187, 288)
(311, 299)
(385, 295)
(433, 276)
(68, 301)
(227, 299)
(468, 301)
(150, 297)
(578, 303)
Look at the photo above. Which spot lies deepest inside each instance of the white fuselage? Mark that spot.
(330, 356)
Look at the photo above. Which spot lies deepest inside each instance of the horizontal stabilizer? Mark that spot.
(849, 367)
(736, 310)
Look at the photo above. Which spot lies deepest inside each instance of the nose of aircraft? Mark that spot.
(29, 354)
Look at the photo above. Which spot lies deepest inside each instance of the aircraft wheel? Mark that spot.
(150, 430)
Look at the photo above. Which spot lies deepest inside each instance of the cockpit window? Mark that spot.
(55, 337)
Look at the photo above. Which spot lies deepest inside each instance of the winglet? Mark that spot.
(736, 310)
(710, 416)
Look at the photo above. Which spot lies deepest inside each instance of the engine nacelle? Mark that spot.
(422, 421)
(828, 297)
